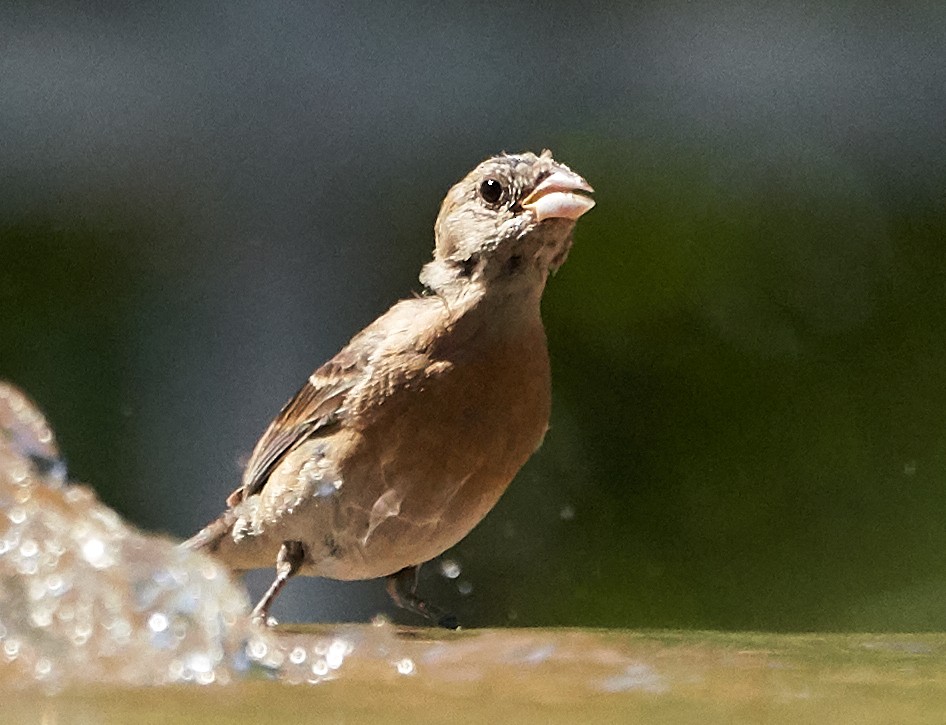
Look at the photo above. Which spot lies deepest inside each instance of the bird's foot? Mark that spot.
(402, 588)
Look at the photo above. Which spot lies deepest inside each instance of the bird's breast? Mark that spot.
(441, 442)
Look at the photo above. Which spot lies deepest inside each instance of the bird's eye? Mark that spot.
(491, 191)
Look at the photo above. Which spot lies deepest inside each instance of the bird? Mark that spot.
(398, 446)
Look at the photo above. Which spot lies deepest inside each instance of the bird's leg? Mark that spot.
(288, 561)
(402, 586)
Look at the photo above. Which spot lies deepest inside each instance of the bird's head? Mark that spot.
(510, 218)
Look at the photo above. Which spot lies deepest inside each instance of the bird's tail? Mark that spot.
(213, 534)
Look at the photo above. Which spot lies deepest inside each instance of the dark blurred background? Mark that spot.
(200, 203)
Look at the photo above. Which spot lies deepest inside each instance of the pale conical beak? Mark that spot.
(555, 197)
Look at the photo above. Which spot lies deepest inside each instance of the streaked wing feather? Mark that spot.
(313, 409)
(319, 404)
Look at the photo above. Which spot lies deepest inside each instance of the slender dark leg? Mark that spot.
(290, 558)
(402, 587)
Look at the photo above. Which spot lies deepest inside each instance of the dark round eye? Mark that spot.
(491, 191)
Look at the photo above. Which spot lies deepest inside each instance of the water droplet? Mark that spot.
(55, 584)
(11, 648)
(465, 588)
(327, 488)
(449, 568)
(567, 512)
(43, 667)
(176, 670)
(158, 622)
(93, 550)
(297, 656)
(405, 666)
(336, 653)
(41, 617)
(199, 663)
(121, 630)
(257, 649)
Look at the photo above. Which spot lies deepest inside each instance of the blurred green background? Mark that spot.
(201, 204)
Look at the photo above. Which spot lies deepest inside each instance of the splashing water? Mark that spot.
(86, 598)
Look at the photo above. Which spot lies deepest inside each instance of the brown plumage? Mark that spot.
(399, 445)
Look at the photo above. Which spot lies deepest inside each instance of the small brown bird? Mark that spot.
(399, 445)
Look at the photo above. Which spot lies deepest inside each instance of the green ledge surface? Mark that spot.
(391, 674)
